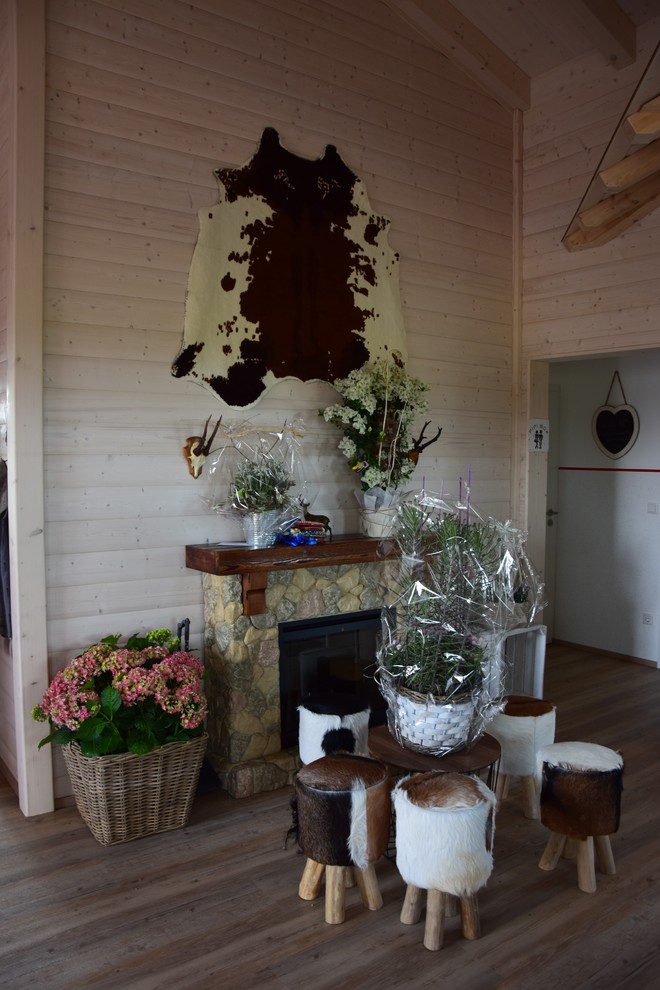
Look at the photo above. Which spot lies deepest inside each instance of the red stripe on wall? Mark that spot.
(619, 470)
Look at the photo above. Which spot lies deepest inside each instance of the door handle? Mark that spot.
(551, 512)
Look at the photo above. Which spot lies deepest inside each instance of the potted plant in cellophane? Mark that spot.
(254, 475)
(439, 660)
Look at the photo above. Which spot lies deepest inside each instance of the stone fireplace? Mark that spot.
(248, 594)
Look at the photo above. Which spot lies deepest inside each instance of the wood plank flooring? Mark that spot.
(216, 905)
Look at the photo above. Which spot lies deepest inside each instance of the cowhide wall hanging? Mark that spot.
(292, 277)
(615, 427)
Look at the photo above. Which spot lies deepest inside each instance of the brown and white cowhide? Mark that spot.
(342, 810)
(445, 824)
(320, 734)
(581, 786)
(292, 277)
(522, 728)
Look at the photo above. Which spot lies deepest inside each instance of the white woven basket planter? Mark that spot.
(435, 728)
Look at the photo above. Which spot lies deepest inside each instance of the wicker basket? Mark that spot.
(433, 728)
(127, 796)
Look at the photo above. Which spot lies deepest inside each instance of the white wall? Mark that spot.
(608, 543)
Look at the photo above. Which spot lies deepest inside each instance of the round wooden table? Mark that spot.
(483, 755)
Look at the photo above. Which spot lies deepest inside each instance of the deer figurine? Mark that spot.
(197, 449)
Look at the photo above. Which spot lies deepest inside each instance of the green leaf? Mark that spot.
(107, 741)
(61, 736)
(91, 728)
(110, 701)
(142, 742)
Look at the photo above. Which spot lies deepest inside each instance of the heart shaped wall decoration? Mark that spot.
(615, 429)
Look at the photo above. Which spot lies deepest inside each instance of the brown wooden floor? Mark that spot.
(216, 905)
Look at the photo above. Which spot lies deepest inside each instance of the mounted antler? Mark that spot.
(197, 449)
(418, 446)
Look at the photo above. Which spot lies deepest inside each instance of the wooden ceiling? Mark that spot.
(503, 44)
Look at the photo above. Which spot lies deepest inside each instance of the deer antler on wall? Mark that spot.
(197, 449)
(418, 446)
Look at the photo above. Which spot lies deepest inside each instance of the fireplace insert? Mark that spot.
(332, 655)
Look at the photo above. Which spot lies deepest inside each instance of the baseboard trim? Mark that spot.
(605, 653)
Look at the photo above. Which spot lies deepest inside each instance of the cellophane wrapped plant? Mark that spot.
(381, 402)
(459, 572)
(259, 471)
(131, 698)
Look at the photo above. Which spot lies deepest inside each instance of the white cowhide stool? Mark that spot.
(333, 723)
(581, 786)
(343, 816)
(523, 727)
(445, 824)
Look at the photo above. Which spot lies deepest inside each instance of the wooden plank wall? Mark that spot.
(145, 98)
(7, 721)
(592, 302)
(602, 299)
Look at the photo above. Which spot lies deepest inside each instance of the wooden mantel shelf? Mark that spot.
(254, 565)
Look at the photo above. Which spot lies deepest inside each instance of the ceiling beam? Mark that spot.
(444, 28)
(609, 28)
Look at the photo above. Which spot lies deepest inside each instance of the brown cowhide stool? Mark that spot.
(445, 824)
(581, 786)
(523, 727)
(343, 812)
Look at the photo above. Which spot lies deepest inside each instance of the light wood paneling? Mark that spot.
(144, 99)
(8, 720)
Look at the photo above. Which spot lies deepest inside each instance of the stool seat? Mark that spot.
(444, 832)
(343, 812)
(581, 785)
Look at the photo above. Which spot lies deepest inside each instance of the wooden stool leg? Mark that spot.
(335, 895)
(552, 851)
(367, 882)
(411, 911)
(451, 906)
(501, 787)
(585, 865)
(470, 916)
(349, 877)
(604, 854)
(530, 797)
(570, 849)
(309, 887)
(434, 927)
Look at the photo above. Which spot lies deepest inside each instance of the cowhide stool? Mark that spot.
(581, 786)
(523, 727)
(445, 824)
(333, 723)
(343, 810)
